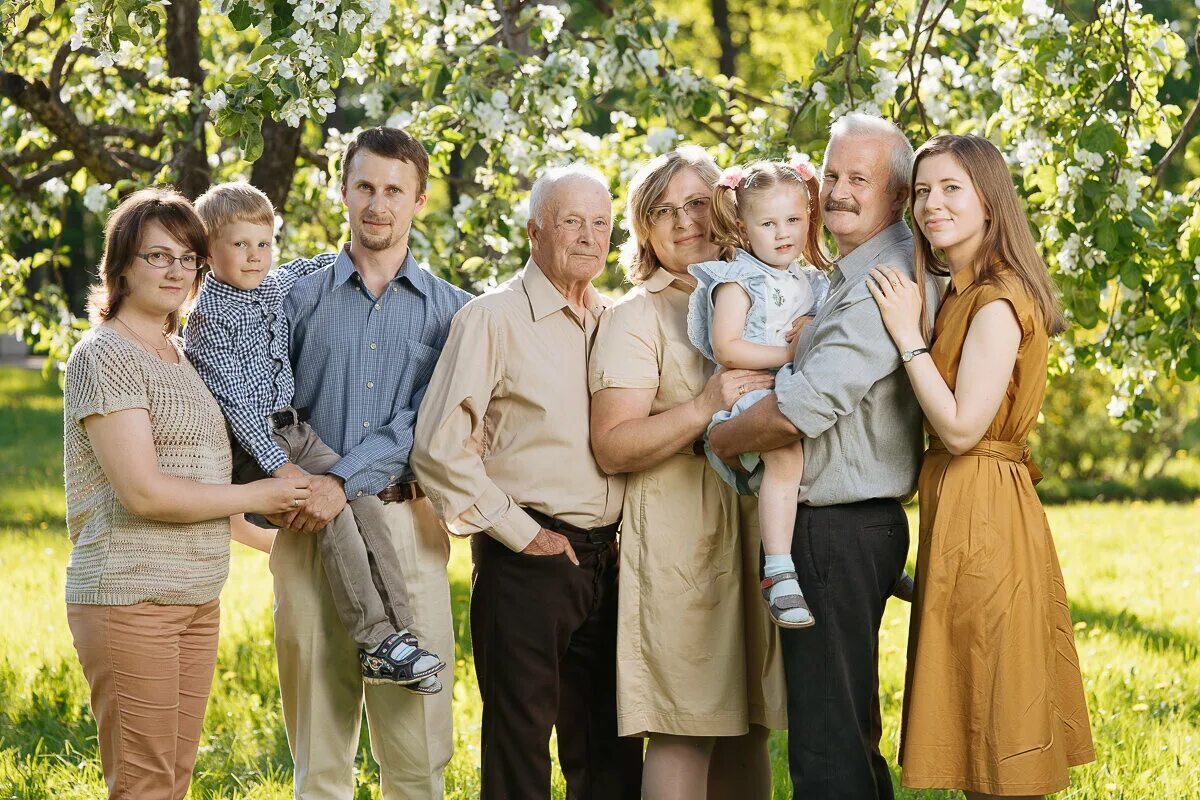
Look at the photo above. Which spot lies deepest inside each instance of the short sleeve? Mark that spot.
(1010, 290)
(628, 348)
(102, 380)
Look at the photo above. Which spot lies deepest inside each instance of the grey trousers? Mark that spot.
(361, 564)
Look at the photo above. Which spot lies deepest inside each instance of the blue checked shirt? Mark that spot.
(362, 363)
(238, 341)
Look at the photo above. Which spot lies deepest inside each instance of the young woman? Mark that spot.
(147, 470)
(993, 700)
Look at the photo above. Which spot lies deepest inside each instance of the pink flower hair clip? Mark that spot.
(732, 177)
(803, 167)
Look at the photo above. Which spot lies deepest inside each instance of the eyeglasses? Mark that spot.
(160, 260)
(696, 210)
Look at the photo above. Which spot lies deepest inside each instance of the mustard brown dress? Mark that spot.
(993, 697)
(696, 653)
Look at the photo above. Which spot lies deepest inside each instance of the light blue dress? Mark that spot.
(776, 298)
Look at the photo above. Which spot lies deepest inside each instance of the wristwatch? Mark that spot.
(909, 355)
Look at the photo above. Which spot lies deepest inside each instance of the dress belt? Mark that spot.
(993, 448)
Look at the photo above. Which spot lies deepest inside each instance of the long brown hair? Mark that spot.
(123, 233)
(1007, 244)
(645, 191)
(724, 228)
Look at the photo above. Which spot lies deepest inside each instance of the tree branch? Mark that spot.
(36, 99)
(1185, 131)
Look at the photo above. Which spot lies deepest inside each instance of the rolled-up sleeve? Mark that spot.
(448, 453)
(851, 353)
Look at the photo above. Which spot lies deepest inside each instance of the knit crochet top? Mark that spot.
(118, 557)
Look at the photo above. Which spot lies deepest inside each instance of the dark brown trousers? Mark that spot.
(544, 633)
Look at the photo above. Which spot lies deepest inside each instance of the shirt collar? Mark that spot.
(662, 278)
(544, 299)
(963, 279)
(223, 291)
(419, 279)
(861, 259)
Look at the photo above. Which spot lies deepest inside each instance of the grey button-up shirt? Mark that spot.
(848, 392)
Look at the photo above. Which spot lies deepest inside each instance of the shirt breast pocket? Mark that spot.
(417, 361)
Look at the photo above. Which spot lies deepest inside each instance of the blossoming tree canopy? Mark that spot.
(98, 98)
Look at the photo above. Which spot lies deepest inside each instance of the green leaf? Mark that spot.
(252, 144)
(1131, 276)
(1106, 234)
(431, 83)
(241, 16)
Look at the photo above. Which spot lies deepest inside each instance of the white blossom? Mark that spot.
(56, 188)
(216, 101)
(95, 197)
(660, 140)
(648, 58)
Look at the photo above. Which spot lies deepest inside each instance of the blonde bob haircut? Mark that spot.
(645, 192)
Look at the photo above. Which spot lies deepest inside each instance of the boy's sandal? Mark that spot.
(433, 687)
(785, 602)
(383, 669)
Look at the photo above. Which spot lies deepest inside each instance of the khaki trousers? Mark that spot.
(320, 679)
(150, 669)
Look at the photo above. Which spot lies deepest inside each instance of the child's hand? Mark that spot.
(793, 332)
(899, 300)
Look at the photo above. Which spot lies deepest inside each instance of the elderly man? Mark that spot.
(848, 397)
(502, 450)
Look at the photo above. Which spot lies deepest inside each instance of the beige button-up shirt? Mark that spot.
(505, 421)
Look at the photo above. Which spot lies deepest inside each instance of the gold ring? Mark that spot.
(742, 389)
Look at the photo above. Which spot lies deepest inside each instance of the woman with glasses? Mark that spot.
(698, 670)
(147, 472)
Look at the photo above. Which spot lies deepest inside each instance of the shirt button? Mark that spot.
(359, 494)
(370, 384)
(366, 424)
(377, 306)
(391, 477)
(394, 289)
(372, 345)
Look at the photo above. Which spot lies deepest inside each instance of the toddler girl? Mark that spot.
(767, 219)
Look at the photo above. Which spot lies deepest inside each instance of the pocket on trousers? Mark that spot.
(818, 551)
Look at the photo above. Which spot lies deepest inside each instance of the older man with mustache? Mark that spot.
(850, 400)
(503, 451)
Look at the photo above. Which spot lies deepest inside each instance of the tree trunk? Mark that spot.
(275, 168)
(720, 18)
(189, 159)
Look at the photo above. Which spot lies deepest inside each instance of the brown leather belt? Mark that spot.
(400, 492)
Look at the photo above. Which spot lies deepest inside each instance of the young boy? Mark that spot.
(237, 338)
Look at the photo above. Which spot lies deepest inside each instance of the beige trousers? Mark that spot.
(150, 669)
(320, 679)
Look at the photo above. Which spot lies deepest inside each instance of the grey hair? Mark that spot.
(856, 125)
(543, 187)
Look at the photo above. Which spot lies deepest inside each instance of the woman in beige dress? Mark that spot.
(698, 668)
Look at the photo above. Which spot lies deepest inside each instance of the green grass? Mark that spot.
(1133, 572)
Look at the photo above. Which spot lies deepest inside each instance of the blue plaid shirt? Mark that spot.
(238, 341)
(362, 363)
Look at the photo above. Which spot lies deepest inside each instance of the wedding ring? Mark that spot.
(742, 389)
